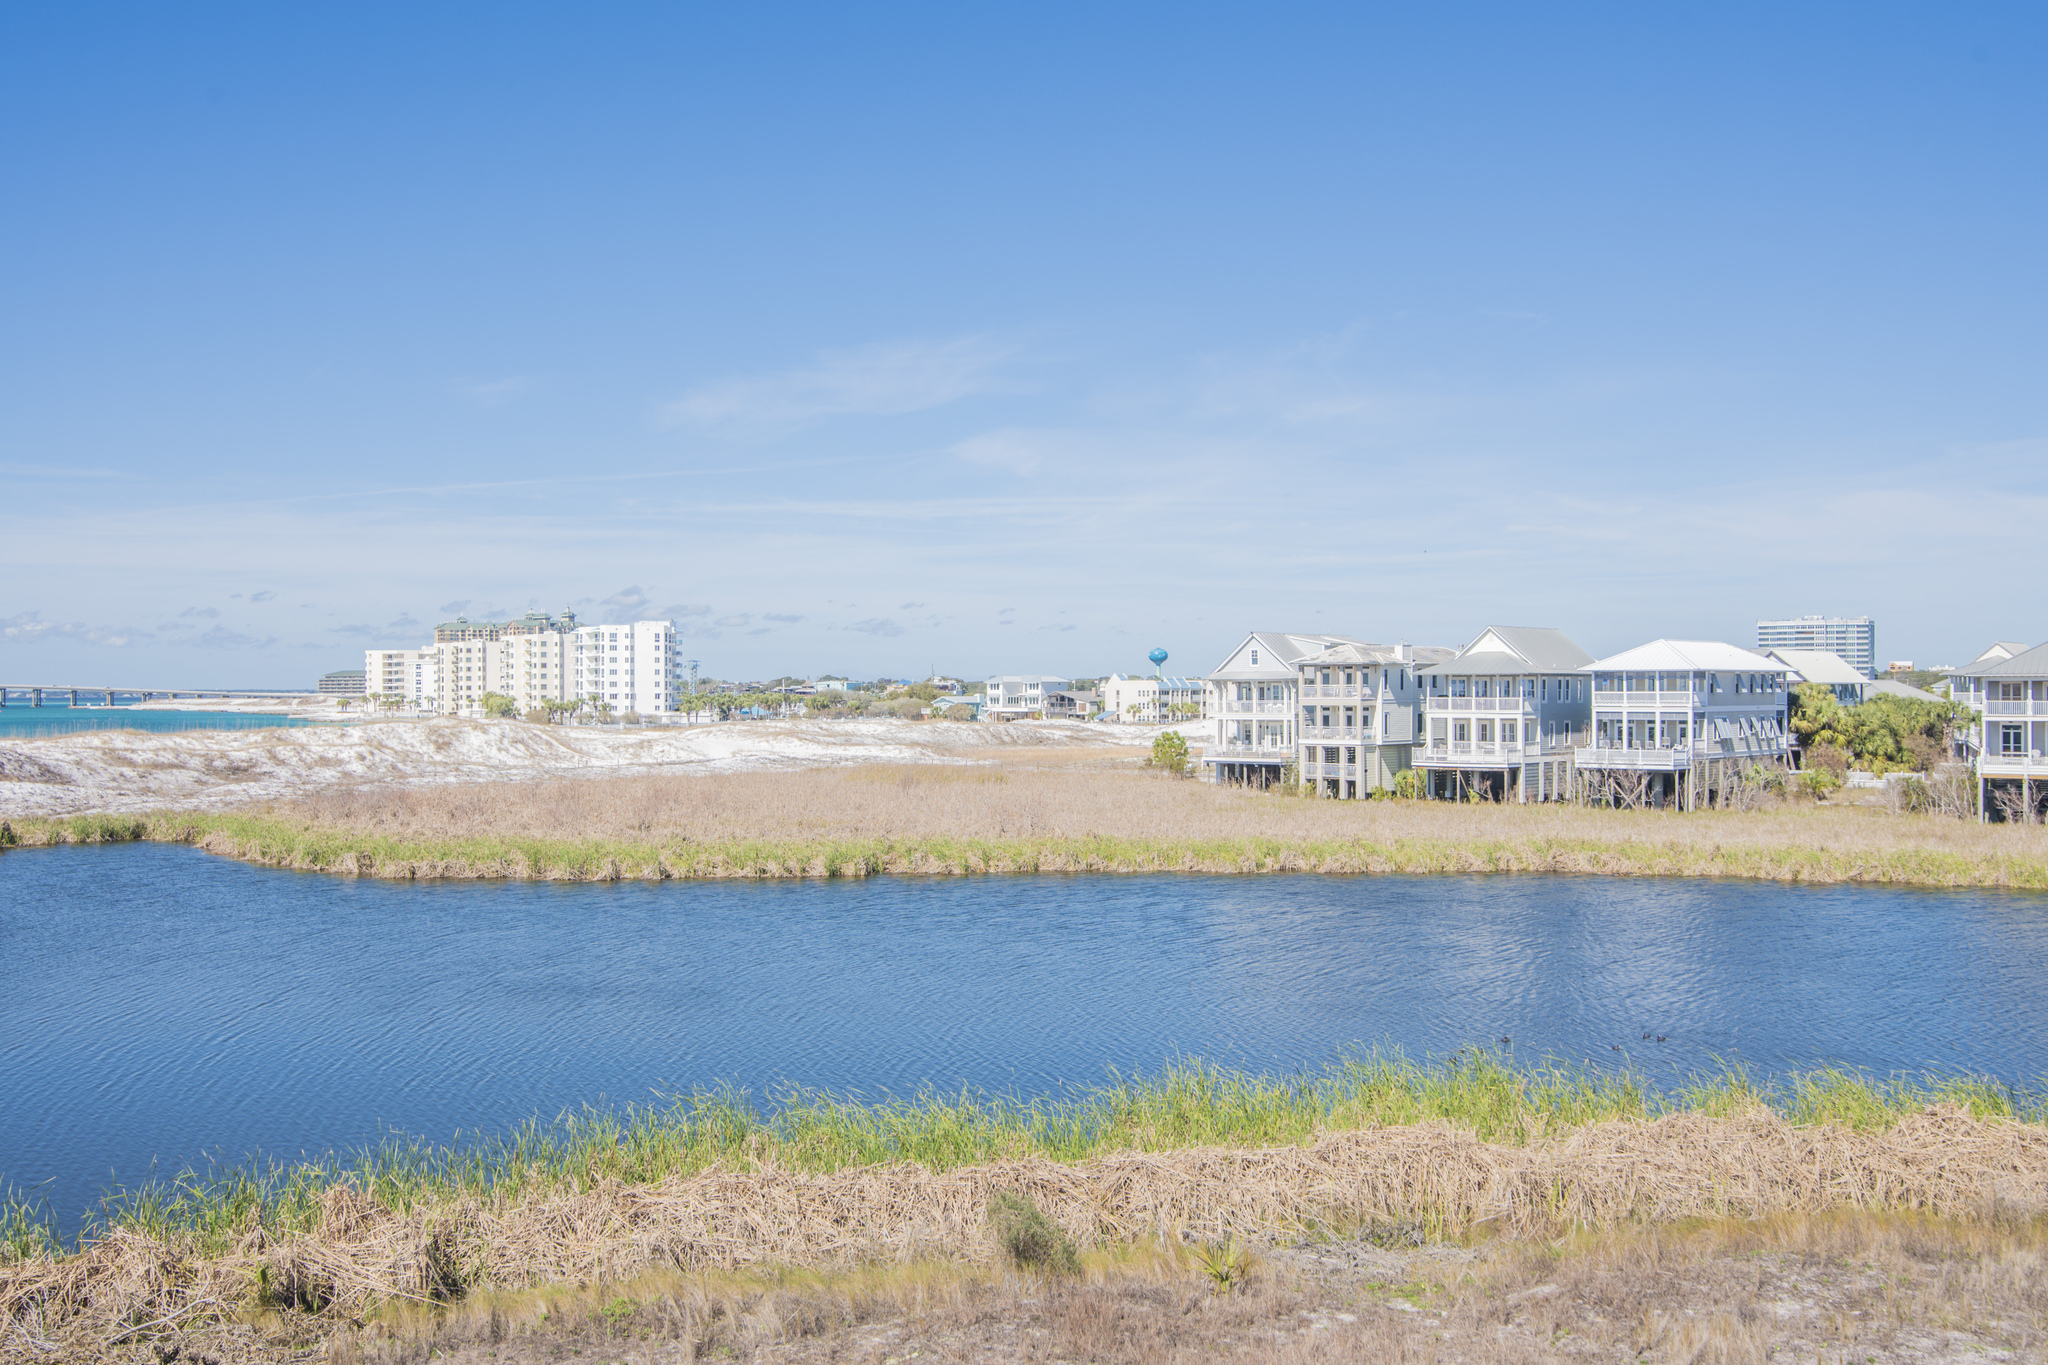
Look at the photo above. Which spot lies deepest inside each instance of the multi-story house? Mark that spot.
(1828, 669)
(1360, 707)
(1674, 720)
(1854, 638)
(1018, 696)
(1966, 685)
(1503, 715)
(2012, 694)
(1253, 694)
(1154, 700)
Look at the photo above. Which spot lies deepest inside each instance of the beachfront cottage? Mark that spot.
(1503, 715)
(1337, 711)
(1252, 699)
(1675, 722)
(1360, 706)
(2012, 694)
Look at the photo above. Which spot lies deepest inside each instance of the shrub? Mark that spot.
(1170, 751)
(500, 706)
(1032, 1241)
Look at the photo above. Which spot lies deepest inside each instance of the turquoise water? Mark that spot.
(19, 720)
(159, 1006)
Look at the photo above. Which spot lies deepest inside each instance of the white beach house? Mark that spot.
(1504, 715)
(1674, 721)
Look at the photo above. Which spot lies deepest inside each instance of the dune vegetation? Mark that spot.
(1039, 813)
(1467, 1148)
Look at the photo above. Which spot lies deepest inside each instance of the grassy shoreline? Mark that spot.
(1181, 1165)
(1660, 846)
(1187, 1105)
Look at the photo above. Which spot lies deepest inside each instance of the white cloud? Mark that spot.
(1011, 448)
(782, 617)
(879, 380)
(30, 628)
(733, 622)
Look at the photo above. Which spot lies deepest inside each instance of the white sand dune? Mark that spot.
(128, 771)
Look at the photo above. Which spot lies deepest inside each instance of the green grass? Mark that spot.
(276, 842)
(1189, 1104)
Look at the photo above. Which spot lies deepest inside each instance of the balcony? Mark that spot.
(1334, 690)
(1473, 753)
(1249, 753)
(1640, 760)
(1258, 708)
(1493, 706)
(2022, 707)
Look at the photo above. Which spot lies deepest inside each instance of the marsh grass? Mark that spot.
(1024, 813)
(1190, 1104)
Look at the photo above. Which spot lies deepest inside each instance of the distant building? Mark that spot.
(1020, 696)
(1067, 705)
(1852, 637)
(1152, 701)
(408, 678)
(1828, 669)
(830, 684)
(347, 682)
(1899, 666)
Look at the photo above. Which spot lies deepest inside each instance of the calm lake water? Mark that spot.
(19, 720)
(160, 1004)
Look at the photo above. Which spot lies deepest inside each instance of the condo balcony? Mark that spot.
(1258, 708)
(1492, 706)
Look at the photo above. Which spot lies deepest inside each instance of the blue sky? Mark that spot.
(1014, 339)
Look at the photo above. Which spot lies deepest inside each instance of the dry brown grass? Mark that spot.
(1069, 797)
(1424, 1179)
(1055, 812)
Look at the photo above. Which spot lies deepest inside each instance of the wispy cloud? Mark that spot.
(30, 628)
(263, 596)
(878, 380)
(220, 637)
(781, 617)
(682, 611)
(200, 611)
(627, 599)
(455, 608)
(733, 622)
(881, 626)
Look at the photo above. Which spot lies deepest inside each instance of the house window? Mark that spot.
(1255, 658)
(2012, 739)
(1464, 731)
(1351, 755)
(1507, 732)
(1485, 731)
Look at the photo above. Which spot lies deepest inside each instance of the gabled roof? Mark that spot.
(1685, 656)
(1516, 649)
(1885, 687)
(1817, 666)
(1279, 652)
(2032, 663)
(2000, 650)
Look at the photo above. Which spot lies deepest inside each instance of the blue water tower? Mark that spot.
(1158, 657)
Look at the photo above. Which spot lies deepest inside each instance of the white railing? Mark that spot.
(1494, 705)
(1257, 708)
(2022, 707)
(1264, 753)
(1649, 760)
(1332, 690)
(2012, 765)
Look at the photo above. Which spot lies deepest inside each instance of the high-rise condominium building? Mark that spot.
(1852, 637)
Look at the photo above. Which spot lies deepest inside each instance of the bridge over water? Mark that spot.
(33, 694)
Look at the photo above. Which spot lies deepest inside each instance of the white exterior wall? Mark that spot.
(1013, 695)
(404, 678)
(627, 666)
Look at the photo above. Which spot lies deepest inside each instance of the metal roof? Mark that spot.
(1528, 649)
(2032, 663)
(1685, 656)
(1818, 666)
